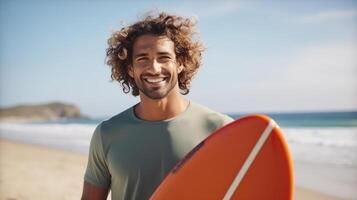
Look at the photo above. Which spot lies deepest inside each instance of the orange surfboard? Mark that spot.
(247, 159)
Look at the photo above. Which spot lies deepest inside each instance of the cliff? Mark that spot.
(41, 112)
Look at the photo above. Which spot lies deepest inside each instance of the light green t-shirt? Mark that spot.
(132, 156)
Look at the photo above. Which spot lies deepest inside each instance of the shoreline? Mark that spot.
(19, 120)
(29, 171)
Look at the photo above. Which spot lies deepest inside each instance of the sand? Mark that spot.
(36, 172)
(32, 172)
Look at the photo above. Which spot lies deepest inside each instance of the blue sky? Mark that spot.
(261, 56)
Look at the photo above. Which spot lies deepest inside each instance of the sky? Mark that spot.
(261, 56)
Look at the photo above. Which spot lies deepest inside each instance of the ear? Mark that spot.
(179, 69)
(130, 71)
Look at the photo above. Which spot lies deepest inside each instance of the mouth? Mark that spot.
(156, 81)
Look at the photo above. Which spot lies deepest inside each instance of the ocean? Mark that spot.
(323, 145)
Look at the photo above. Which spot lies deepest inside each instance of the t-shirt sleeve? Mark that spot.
(97, 172)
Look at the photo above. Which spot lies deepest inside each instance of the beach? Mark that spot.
(30, 171)
(37, 172)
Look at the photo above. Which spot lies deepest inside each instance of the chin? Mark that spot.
(156, 96)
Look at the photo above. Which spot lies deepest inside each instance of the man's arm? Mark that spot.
(97, 176)
(92, 192)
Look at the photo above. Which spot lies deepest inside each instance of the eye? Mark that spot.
(141, 59)
(164, 58)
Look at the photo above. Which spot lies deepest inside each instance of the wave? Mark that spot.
(335, 145)
(322, 136)
(66, 136)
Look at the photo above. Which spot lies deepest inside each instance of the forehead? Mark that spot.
(152, 43)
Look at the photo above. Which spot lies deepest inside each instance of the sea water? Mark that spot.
(323, 145)
(324, 150)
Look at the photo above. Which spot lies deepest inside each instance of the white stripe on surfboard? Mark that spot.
(249, 160)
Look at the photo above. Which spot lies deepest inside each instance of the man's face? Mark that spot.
(154, 67)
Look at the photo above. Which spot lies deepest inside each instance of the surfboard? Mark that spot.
(247, 159)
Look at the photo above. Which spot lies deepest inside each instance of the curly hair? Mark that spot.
(180, 30)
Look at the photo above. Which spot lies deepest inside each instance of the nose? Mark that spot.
(155, 67)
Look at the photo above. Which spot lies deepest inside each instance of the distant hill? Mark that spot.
(40, 112)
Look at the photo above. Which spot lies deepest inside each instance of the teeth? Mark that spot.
(154, 80)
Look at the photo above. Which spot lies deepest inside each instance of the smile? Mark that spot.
(156, 80)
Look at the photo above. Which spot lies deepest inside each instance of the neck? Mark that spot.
(160, 109)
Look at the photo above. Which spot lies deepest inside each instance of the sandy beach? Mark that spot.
(37, 172)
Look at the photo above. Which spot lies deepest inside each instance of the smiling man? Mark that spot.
(132, 152)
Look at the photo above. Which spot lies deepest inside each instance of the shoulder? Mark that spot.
(109, 130)
(116, 122)
(210, 116)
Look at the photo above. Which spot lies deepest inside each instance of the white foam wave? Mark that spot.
(68, 136)
(332, 137)
(335, 145)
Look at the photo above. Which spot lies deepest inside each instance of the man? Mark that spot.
(132, 152)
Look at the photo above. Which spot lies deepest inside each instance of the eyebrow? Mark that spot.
(140, 55)
(164, 53)
(145, 54)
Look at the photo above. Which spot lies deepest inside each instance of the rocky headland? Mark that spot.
(40, 112)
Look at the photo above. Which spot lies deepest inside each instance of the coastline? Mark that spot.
(30, 171)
